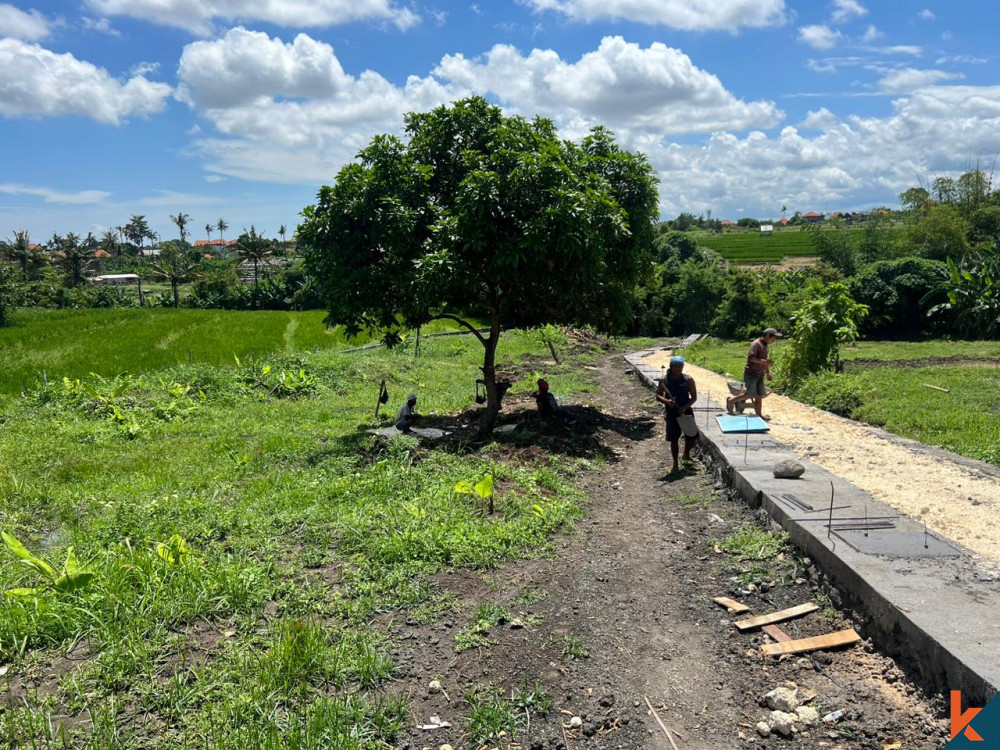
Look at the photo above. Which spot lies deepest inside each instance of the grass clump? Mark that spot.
(573, 648)
(491, 715)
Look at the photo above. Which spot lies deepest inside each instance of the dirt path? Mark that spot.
(633, 587)
(962, 502)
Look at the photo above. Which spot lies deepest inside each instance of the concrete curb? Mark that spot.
(931, 603)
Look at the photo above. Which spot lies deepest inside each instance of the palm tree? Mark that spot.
(75, 257)
(253, 248)
(19, 250)
(281, 233)
(137, 230)
(181, 220)
(222, 226)
(208, 231)
(173, 267)
(109, 243)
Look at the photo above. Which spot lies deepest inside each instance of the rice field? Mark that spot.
(754, 247)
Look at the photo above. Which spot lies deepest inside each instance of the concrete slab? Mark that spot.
(935, 612)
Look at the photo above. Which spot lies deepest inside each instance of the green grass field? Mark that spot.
(74, 343)
(243, 531)
(884, 391)
(754, 247)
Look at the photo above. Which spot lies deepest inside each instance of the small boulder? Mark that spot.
(783, 723)
(575, 722)
(782, 699)
(808, 715)
(434, 687)
(788, 469)
(763, 729)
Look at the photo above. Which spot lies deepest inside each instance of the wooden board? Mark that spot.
(731, 604)
(830, 640)
(777, 633)
(785, 614)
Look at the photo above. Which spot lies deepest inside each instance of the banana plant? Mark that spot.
(72, 578)
(482, 489)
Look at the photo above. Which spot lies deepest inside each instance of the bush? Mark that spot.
(828, 319)
(693, 299)
(834, 392)
(742, 310)
(899, 295)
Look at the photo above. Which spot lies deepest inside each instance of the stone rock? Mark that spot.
(808, 715)
(763, 729)
(783, 723)
(788, 469)
(435, 687)
(576, 721)
(782, 699)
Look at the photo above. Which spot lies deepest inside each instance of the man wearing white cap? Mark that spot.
(677, 392)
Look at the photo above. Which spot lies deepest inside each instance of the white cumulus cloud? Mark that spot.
(821, 119)
(910, 79)
(852, 164)
(289, 111)
(926, 15)
(819, 36)
(36, 81)
(871, 34)
(656, 89)
(846, 10)
(199, 16)
(16, 23)
(689, 15)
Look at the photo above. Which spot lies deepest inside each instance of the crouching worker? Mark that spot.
(547, 405)
(677, 392)
(407, 416)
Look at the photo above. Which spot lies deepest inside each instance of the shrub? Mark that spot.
(899, 295)
(834, 392)
(830, 318)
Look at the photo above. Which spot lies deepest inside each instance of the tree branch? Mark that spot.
(469, 326)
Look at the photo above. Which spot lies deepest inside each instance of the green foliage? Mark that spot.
(940, 233)
(573, 648)
(491, 716)
(973, 290)
(834, 392)
(899, 295)
(837, 246)
(72, 578)
(827, 320)
(483, 489)
(742, 311)
(533, 698)
(175, 550)
(516, 224)
(692, 300)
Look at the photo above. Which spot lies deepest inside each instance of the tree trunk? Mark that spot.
(489, 417)
(177, 296)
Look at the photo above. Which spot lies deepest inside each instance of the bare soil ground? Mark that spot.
(634, 586)
(960, 499)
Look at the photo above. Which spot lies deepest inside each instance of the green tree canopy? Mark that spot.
(479, 214)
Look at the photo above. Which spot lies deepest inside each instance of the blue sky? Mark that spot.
(241, 109)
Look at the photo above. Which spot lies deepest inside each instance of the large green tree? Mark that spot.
(253, 247)
(74, 256)
(481, 215)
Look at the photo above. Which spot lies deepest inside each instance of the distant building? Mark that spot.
(784, 222)
(813, 218)
(116, 279)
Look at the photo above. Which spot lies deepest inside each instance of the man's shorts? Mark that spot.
(754, 385)
(681, 425)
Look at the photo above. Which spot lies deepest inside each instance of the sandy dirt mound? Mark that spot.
(959, 501)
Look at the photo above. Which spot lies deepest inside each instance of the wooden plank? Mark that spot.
(731, 604)
(830, 640)
(785, 614)
(777, 633)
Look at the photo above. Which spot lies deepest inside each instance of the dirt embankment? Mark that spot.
(958, 499)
